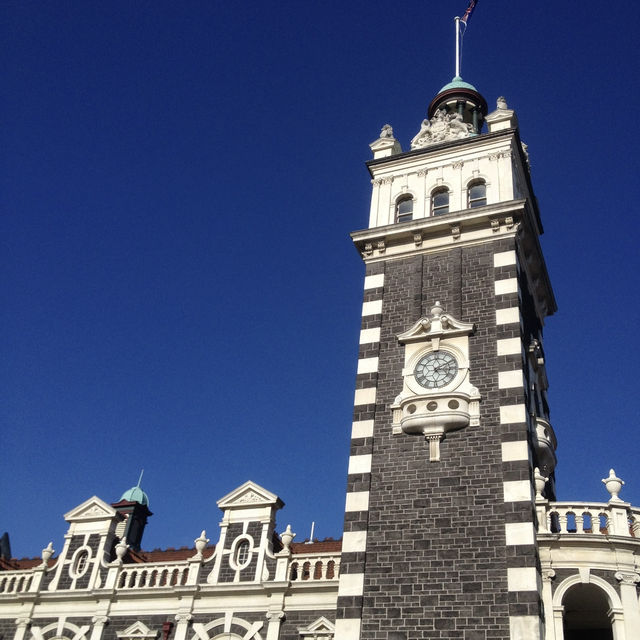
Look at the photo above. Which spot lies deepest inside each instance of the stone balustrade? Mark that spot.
(314, 567)
(15, 582)
(297, 568)
(588, 518)
(149, 576)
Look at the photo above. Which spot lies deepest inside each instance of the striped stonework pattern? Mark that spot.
(523, 571)
(354, 544)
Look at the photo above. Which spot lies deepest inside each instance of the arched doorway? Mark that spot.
(586, 613)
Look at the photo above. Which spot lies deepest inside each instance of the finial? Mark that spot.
(287, 536)
(200, 544)
(539, 481)
(121, 550)
(436, 310)
(501, 103)
(47, 552)
(140, 478)
(613, 485)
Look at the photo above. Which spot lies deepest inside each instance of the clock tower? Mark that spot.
(450, 424)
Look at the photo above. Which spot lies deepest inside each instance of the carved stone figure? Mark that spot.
(387, 131)
(441, 127)
(501, 103)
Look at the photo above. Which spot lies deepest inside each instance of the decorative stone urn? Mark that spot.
(47, 552)
(201, 544)
(540, 481)
(121, 550)
(613, 485)
(287, 536)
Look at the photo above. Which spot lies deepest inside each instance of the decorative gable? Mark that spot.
(249, 494)
(137, 630)
(90, 510)
(438, 326)
(320, 629)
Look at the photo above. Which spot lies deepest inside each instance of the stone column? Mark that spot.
(547, 600)
(275, 618)
(629, 597)
(182, 627)
(98, 625)
(22, 625)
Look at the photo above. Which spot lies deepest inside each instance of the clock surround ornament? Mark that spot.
(437, 396)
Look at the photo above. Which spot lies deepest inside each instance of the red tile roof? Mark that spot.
(175, 555)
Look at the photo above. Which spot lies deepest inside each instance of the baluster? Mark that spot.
(606, 523)
(580, 522)
(562, 518)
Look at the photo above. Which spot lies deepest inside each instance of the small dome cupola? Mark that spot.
(460, 97)
(133, 507)
(136, 494)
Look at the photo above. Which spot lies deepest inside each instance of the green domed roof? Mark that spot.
(458, 83)
(136, 494)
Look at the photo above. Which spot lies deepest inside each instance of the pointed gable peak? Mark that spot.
(137, 630)
(249, 494)
(89, 510)
(320, 628)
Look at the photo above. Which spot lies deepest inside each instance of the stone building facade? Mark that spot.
(451, 527)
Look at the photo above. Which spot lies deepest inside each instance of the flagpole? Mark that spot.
(457, 22)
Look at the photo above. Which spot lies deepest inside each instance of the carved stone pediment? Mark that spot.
(436, 327)
(91, 509)
(320, 628)
(249, 494)
(137, 630)
(442, 127)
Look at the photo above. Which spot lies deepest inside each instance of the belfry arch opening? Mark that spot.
(586, 613)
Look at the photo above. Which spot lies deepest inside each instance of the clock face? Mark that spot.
(435, 370)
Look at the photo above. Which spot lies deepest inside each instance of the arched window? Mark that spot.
(440, 202)
(477, 194)
(242, 553)
(404, 209)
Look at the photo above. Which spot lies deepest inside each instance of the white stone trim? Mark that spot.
(510, 379)
(360, 464)
(508, 316)
(519, 533)
(362, 429)
(504, 258)
(508, 285)
(354, 541)
(357, 501)
(515, 451)
(351, 584)
(509, 346)
(372, 308)
(524, 627)
(517, 491)
(364, 396)
(513, 413)
(522, 579)
(368, 365)
(374, 282)
(348, 629)
(367, 336)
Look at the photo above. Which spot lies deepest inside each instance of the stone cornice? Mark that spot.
(474, 141)
(465, 228)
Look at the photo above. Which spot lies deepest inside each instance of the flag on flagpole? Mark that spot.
(468, 12)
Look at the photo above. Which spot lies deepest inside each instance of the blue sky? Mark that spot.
(178, 183)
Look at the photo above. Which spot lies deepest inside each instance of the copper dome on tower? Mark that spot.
(461, 97)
